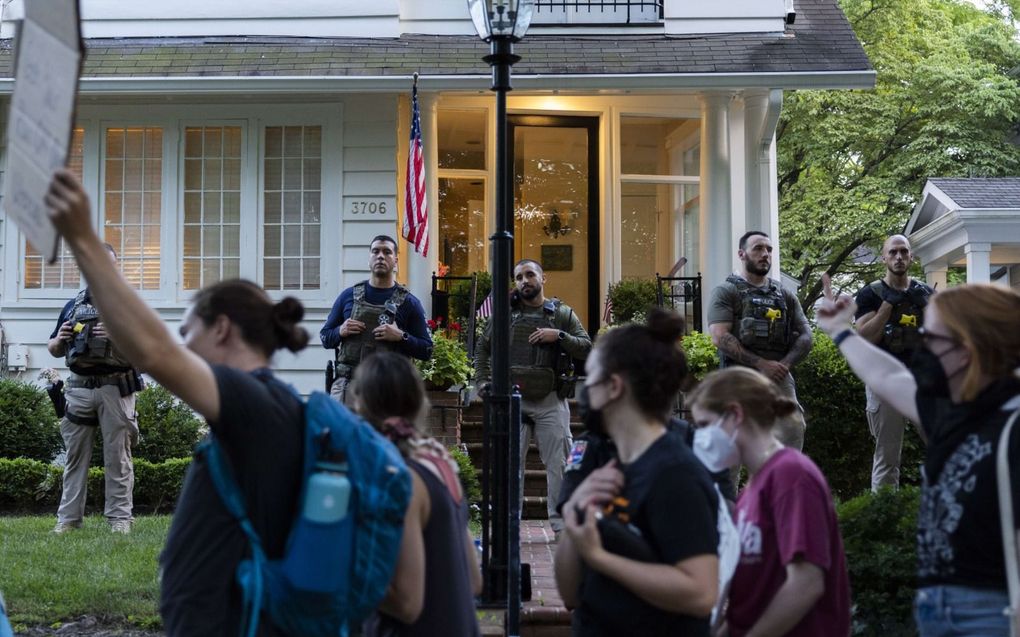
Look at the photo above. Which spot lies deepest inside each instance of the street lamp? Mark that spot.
(501, 23)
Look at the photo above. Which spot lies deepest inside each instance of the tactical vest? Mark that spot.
(763, 325)
(900, 335)
(87, 354)
(355, 347)
(539, 369)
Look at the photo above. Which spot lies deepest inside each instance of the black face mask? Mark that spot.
(591, 418)
(927, 369)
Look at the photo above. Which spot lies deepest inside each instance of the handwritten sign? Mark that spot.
(47, 64)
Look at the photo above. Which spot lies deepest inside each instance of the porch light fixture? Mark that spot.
(501, 23)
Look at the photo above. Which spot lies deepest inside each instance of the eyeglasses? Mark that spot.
(929, 337)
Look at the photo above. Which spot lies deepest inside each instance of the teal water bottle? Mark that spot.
(328, 494)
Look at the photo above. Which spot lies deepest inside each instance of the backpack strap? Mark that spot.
(252, 587)
(1007, 521)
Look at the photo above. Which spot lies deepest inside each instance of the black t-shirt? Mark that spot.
(959, 541)
(868, 301)
(674, 505)
(261, 432)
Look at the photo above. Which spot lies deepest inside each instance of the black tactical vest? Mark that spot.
(86, 354)
(763, 325)
(357, 346)
(899, 335)
(537, 369)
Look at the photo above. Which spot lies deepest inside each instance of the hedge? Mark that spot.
(32, 486)
(28, 425)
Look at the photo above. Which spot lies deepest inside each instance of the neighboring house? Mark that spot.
(974, 223)
(268, 140)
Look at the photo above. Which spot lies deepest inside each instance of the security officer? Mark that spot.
(374, 315)
(545, 337)
(757, 323)
(889, 313)
(99, 392)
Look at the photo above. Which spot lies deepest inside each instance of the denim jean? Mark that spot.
(961, 611)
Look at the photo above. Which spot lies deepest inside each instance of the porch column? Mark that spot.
(979, 262)
(419, 269)
(716, 215)
(935, 275)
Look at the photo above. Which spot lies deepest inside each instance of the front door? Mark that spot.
(555, 164)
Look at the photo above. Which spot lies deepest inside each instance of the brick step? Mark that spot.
(533, 461)
(472, 430)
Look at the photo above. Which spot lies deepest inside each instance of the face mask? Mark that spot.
(591, 418)
(715, 448)
(927, 369)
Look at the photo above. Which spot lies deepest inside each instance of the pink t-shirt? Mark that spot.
(785, 512)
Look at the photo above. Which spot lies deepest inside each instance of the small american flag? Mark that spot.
(485, 309)
(416, 208)
(607, 315)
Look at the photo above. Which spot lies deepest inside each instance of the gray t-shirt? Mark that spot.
(725, 306)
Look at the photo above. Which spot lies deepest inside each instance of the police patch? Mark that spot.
(576, 454)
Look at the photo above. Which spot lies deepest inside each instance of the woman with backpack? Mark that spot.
(437, 574)
(639, 553)
(791, 578)
(963, 387)
(230, 333)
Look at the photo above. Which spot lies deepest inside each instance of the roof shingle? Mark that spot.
(981, 192)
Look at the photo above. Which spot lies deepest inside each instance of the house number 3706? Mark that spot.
(368, 207)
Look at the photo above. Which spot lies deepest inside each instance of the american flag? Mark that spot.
(607, 315)
(416, 207)
(485, 309)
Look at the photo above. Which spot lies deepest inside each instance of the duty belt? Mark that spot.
(344, 371)
(76, 381)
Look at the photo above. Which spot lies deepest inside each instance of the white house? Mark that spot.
(267, 139)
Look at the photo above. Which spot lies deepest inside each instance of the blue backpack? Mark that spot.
(331, 576)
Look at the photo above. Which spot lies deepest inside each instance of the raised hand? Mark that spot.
(834, 313)
(68, 206)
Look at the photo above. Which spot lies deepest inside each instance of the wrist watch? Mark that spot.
(405, 336)
(561, 336)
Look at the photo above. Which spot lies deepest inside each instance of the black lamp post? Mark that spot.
(501, 23)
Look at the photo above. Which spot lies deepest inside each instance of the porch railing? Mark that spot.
(682, 294)
(597, 12)
(443, 290)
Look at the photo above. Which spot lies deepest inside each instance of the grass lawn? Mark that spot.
(47, 578)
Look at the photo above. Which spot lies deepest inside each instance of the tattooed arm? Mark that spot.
(801, 345)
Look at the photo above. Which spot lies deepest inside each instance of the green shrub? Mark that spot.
(469, 482)
(29, 427)
(838, 438)
(34, 486)
(630, 297)
(879, 536)
(460, 296)
(702, 356)
(449, 364)
(167, 428)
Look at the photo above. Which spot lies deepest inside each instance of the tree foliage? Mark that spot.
(852, 164)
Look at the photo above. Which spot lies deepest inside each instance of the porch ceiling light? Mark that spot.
(501, 18)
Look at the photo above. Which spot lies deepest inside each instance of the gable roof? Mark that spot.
(820, 44)
(981, 192)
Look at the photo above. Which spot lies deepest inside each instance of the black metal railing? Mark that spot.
(682, 294)
(443, 289)
(588, 12)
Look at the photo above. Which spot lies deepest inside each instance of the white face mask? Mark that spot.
(716, 449)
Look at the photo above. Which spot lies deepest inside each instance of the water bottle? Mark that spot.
(328, 493)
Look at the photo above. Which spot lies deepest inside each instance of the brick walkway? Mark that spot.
(544, 615)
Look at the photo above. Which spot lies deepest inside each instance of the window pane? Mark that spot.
(462, 225)
(461, 139)
(292, 207)
(135, 187)
(651, 228)
(212, 202)
(648, 145)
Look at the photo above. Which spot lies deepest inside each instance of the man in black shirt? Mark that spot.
(889, 313)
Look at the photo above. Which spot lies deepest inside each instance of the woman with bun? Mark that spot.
(792, 577)
(639, 553)
(230, 333)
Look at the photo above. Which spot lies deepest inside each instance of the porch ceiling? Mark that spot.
(819, 50)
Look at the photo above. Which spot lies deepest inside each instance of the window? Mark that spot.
(463, 187)
(63, 273)
(292, 169)
(133, 187)
(212, 205)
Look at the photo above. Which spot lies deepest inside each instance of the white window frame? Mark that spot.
(486, 173)
(95, 119)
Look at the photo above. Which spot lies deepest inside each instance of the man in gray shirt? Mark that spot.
(757, 323)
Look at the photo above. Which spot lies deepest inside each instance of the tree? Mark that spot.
(852, 164)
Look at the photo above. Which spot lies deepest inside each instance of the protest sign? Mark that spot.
(47, 64)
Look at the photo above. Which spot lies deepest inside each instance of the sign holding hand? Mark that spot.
(47, 64)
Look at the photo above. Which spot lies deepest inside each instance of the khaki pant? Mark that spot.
(551, 416)
(339, 391)
(887, 426)
(118, 425)
(790, 430)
